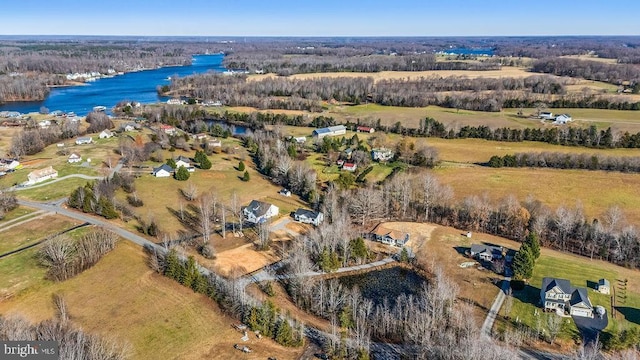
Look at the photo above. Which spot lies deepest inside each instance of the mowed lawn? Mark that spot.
(122, 299)
(596, 191)
(581, 272)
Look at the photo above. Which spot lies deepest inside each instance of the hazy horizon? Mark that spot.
(330, 18)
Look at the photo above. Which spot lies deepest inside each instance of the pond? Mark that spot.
(390, 283)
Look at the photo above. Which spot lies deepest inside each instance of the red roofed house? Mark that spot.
(168, 129)
(349, 167)
(366, 129)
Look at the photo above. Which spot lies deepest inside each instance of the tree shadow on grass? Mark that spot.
(631, 314)
(592, 285)
(527, 294)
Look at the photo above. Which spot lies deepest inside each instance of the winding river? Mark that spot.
(135, 86)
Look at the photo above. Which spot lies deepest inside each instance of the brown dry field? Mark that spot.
(591, 58)
(506, 71)
(122, 299)
(441, 251)
(594, 190)
(241, 260)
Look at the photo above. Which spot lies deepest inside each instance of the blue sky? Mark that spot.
(319, 18)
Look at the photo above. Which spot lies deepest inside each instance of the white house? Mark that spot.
(546, 115)
(74, 158)
(163, 170)
(37, 176)
(258, 211)
(9, 164)
(84, 140)
(182, 161)
(580, 303)
(308, 216)
(105, 134)
(329, 131)
(557, 294)
(382, 154)
(214, 143)
(44, 124)
(128, 127)
(300, 139)
(175, 102)
(563, 119)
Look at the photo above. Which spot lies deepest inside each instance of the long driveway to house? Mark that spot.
(495, 308)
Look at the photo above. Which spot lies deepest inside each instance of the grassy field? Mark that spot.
(581, 272)
(52, 191)
(122, 299)
(594, 190)
(458, 150)
(222, 180)
(16, 213)
(32, 231)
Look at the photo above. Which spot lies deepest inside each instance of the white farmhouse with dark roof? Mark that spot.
(258, 211)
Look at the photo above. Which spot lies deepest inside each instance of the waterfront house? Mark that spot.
(258, 211)
(388, 236)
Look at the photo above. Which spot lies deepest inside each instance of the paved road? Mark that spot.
(495, 308)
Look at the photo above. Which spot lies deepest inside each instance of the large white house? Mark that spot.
(41, 175)
(559, 295)
(562, 119)
(84, 140)
(258, 211)
(308, 216)
(382, 154)
(329, 131)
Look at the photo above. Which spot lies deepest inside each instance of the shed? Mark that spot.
(604, 286)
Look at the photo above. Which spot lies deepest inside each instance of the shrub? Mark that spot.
(241, 166)
(182, 174)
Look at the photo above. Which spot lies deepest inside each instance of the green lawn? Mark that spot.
(16, 213)
(52, 191)
(580, 273)
(19, 272)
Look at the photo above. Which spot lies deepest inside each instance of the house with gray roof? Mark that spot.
(258, 211)
(558, 294)
(308, 216)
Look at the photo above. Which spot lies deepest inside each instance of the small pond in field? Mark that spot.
(390, 283)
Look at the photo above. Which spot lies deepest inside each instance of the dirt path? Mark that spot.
(39, 214)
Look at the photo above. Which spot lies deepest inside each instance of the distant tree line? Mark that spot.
(591, 70)
(282, 64)
(32, 140)
(558, 160)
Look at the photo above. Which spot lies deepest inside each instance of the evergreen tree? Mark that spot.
(205, 163)
(107, 209)
(172, 263)
(523, 263)
(191, 273)
(346, 317)
(172, 163)
(534, 245)
(404, 255)
(182, 174)
(200, 285)
(241, 166)
(358, 248)
(284, 334)
(200, 155)
(246, 176)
